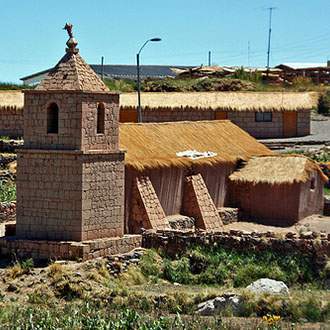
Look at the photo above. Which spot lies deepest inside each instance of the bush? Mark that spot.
(7, 191)
(302, 84)
(324, 103)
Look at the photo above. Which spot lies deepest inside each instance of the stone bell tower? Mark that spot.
(70, 173)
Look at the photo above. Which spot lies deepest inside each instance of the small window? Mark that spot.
(263, 116)
(313, 184)
(100, 118)
(52, 118)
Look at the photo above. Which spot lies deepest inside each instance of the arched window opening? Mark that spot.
(52, 118)
(100, 118)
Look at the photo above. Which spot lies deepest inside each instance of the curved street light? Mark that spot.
(139, 111)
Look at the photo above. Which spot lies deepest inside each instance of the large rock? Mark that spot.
(217, 305)
(267, 285)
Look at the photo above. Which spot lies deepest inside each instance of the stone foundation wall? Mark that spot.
(11, 122)
(46, 250)
(7, 211)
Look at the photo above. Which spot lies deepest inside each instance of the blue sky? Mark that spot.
(32, 39)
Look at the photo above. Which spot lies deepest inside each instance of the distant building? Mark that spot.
(118, 71)
(319, 73)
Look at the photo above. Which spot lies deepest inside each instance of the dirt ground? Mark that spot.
(317, 223)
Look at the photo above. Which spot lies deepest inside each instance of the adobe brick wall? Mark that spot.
(11, 121)
(197, 203)
(68, 195)
(146, 210)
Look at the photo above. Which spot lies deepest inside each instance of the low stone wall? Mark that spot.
(11, 121)
(310, 244)
(46, 250)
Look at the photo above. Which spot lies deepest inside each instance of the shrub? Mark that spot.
(324, 103)
(151, 264)
(7, 191)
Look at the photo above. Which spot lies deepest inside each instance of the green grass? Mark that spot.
(219, 266)
(121, 85)
(7, 192)
(326, 191)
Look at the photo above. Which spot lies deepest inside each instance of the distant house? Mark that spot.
(118, 71)
(319, 73)
(263, 115)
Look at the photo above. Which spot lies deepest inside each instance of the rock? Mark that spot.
(181, 222)
(228, 215)
(217, 305)
(266, 285)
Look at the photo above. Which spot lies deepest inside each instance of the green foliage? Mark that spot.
(242, 74)
(12, 86)
(219, 266)
(324, 103)
(197, 85)
(150, 264)
(121, 85)
(7, 191)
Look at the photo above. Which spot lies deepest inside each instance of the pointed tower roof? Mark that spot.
(72, 73)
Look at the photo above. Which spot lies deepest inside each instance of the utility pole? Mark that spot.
(102, 67)
(248, 54)
(269, 36)
(209, 58)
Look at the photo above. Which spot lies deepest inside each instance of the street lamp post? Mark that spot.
(139, 111)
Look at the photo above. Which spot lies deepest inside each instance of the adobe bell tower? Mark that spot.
(70, 173)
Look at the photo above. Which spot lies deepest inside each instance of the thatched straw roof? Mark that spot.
(152, 145)
(14, 99)
(277, 169)
(236, 101)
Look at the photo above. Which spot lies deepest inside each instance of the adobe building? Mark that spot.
(261, 114)
(162, 183)
(278, 190)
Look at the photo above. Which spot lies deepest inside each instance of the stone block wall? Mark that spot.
(49, 193)
(146, 210)
(243, 119)
(197, 203)
(67, 195)
(11, 121)
(108, 140)
(102, 195)
(246, 121)
(77, 121)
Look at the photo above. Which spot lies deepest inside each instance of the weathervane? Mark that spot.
(72, 42)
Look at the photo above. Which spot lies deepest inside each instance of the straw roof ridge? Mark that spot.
(277, 169)
(233, 101)
(154, 145)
